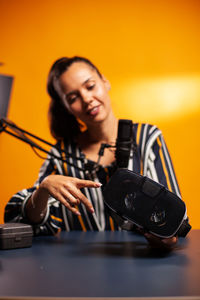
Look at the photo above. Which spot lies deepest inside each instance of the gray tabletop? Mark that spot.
(100, 264)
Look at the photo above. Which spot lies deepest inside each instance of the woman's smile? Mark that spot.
(94, 111)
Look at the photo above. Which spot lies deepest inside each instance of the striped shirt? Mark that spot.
(150, 158)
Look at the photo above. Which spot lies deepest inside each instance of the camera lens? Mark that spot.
(129, 201)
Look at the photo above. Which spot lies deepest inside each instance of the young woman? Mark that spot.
(68, 194)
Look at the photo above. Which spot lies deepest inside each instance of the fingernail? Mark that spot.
(92, 210)
(78, 213)
(99, 184)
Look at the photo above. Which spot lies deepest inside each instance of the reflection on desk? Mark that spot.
(100, 264)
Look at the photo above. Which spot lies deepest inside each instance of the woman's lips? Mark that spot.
(94, 111)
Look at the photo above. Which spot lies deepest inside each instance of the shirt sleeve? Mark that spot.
(15, 210)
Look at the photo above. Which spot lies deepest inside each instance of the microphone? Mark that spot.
(124, 143)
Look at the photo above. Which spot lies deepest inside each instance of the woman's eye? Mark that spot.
(72, 99)
(90, 87)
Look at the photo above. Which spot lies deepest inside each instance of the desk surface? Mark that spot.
(100, 264)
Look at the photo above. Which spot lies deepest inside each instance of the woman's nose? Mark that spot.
(86, 97)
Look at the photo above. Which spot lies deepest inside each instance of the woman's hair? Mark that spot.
(62, 123)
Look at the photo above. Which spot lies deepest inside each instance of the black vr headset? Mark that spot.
(145, 203)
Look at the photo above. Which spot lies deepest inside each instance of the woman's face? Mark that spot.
(85, 93)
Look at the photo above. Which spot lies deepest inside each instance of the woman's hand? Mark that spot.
(67, 190)
(159, 243)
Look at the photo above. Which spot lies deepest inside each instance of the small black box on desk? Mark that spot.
(15, 235)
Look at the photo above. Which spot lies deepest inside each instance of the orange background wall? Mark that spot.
(149, 50)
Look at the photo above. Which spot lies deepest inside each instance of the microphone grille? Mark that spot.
(124, 130)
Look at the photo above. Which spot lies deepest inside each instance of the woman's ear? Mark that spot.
(106, 82)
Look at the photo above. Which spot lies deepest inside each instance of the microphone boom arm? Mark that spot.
(20, 134)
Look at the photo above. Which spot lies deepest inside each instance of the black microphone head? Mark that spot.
(124, 130)
(124, 142)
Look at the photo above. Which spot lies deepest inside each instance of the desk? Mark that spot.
(100, 264)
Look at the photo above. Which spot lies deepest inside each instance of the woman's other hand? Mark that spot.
(161, 243)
